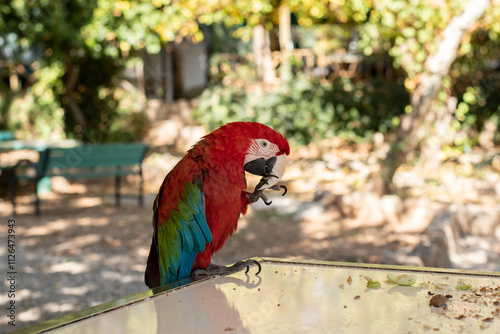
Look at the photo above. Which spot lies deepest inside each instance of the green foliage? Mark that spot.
(477, 105)
(130, 123)
(37, 114)
(475, 76)
(306, 111)
(223, 40)
(65, 85)
(231, 68)
(40, 113)
(120, 27)
(330, 38)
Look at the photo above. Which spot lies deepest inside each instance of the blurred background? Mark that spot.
(392, 109)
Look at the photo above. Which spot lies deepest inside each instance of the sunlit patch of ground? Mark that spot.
(76, 255)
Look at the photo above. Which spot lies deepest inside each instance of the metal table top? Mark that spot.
(302, 297)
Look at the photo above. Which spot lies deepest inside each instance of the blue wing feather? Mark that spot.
(187, 260)
(202, 223)
(199, 241)
(184, 235)
(187, 238)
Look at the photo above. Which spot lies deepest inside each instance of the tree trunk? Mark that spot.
(262, 52)
(286, 44)
(70, 85)
(417, 125)
(431, 145)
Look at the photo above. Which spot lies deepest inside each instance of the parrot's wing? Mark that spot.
(183, 235)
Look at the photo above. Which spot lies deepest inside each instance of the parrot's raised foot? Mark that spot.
(254, 197)
(214, 269)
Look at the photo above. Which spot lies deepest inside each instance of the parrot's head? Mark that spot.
(266, 156)
(258, 148)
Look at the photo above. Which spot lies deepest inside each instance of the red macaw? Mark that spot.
(199, 203)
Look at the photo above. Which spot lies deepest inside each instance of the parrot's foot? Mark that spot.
(214, 269)
(254, 197)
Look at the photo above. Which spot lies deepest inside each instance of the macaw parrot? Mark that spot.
(199, 203)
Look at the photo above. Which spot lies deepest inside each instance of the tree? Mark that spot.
(423, 38)
(418, 124)
(44, 35)
(256, 19)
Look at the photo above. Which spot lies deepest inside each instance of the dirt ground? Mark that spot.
(83, 250)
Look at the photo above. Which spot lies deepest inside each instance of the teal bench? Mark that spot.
(6, 135)
(85, 161)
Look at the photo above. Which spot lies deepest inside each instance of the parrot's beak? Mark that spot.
(272, 169)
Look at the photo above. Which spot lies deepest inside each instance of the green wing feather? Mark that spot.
(183, 235)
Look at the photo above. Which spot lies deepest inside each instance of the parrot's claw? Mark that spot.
(264, 198)
(254, 197)
(278, 188)
(256, 263)
(214, 269)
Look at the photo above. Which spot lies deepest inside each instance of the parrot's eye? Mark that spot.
(264, 144)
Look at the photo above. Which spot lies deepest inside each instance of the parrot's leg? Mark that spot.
(214, 269)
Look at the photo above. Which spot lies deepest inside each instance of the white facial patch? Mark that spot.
(261, 148)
